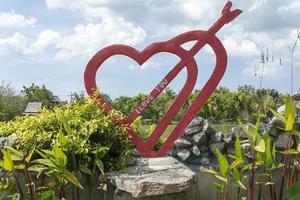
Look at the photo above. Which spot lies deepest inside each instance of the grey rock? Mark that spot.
(192, 130)
(246, 147)
(205, 160)
(219, 145)
(135, 153)
(297, 124)
(274, 131)
(203, 148)
(281, 109)
(8, 141)
(196, 151)
(282, 141)
(200, 138)
(216, 137)
(154, 176)
(197, 121)
(205, 125)
(183, 154)
(192, 159)
(230, 150)
(298, 108)
(263, 127)
(130, 161)
(239, 130)
(227, 138)
(182, 143)
(276, 122)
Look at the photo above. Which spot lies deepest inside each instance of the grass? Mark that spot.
(224, 127)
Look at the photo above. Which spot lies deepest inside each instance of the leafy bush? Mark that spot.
(80, 128)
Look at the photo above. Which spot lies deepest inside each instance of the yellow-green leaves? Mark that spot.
(8, 164)
(60, 157)
(261, 146)
(222, 162)
(289, 116)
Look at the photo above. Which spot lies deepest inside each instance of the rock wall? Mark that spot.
(199, 139)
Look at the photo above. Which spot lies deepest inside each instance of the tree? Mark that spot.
(11, 104)
(36, 93)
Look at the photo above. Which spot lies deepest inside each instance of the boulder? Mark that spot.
(282, 140)
(130, 161)
(200, 138)
(183, 154)
(205, 159)
(197, 121)
(216, 137)
(182, 143)
(227, 138)
(195, 150)
(219, 145)
(203, 148)
(205, 125)
(192, 130)
(153, 176)
(8, 141)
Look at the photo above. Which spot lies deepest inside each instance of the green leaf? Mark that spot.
(238, 183)
(86, 171)
(37, 168)
(15, 154)
(298, 147)
(241, 185)
(28, 157)
(219, 186)
(235, 173)
(290, 113)
(261, 147)
(293, 192)
(72, 179)
(66, 126)
(236, 163)
(221, 178)
(211, 171)
(278, 116)
(20, 167)
(8, 164)
(238, 149)
(100, 152)
(16, 196)
(222, 162)
(46, 162)
(60, 157)
(100, 166)
(62, 139)
(290, 151)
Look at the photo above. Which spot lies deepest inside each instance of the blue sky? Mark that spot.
(51, 41)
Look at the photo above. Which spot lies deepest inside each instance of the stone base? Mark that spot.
(154, 176)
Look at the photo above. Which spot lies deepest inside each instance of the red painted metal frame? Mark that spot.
(187, 61)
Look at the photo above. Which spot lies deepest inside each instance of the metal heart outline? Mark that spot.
(171, 46)
(141, 57)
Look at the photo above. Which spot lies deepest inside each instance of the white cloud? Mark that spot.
(83, 42)
(45, 40)
(16, 43)
(11, 19)
(146, 65)
(256, 4)
(240, 48)
(87, 39)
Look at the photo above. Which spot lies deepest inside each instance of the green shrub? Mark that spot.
(83, 126)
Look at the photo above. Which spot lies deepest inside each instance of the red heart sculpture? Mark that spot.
(187, 60)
